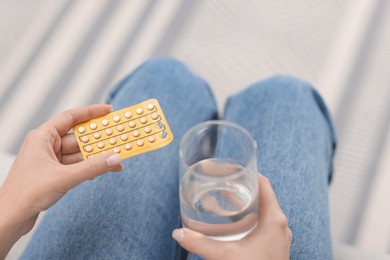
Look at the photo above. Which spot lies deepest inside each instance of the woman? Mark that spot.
(132, 215)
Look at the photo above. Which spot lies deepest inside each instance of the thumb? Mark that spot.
(268, 203)
(93, 167)
(198, 243)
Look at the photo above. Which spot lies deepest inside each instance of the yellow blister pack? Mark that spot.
(130, 131)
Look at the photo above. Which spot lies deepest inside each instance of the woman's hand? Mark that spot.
(49, 164)
(271, 239)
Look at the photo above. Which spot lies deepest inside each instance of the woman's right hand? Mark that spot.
(271, 239)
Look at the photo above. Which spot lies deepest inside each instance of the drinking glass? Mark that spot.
(218, 180)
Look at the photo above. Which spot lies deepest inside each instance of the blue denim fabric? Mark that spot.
(131, 215)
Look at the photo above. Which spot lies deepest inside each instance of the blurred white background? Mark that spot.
(60, 54)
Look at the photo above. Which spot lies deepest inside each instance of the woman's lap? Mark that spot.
(132, 215)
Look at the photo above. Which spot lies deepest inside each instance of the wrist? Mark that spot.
(15, 218)
(11, 220)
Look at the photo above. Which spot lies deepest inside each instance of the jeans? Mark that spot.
(131, 215)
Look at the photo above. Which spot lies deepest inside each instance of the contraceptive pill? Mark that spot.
(128, 132)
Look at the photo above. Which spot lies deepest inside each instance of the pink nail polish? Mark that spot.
(113, 160)
(178, 235)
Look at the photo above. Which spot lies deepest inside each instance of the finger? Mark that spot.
(69, 144)
(78, 157)
(66, 120)
(118, 168)
(72, 158)
(91, 168)
(199, 244)
(268, 203)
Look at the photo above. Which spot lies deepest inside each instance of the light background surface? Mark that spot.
(55, 55)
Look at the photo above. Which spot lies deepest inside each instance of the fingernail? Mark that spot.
(113, 160)
(264, 178)
(178, 235)
(122, 168)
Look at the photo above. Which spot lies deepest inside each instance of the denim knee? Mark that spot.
(285, 89)
(282, 88)
(163, 70)
(164, 65)
(288, 93)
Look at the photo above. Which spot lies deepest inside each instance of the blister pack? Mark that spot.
(130, 131)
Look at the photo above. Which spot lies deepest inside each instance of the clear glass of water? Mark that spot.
(218, 180)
